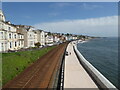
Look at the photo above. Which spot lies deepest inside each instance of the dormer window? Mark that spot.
(9, 28)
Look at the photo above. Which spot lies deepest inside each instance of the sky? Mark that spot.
(86, 18)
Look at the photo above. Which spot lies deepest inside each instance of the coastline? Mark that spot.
(101, 80)
(102, 53)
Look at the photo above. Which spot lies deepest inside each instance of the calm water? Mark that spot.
(102, 53)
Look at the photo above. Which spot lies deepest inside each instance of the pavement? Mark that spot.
(75, 75)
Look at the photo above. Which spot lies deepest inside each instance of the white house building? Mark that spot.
(14, 37)
(8, 35)
(30, 37)
(3, 33)
(56, 38)
(49, 38)
(40, 37)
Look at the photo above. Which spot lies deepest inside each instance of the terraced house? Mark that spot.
(40, 37)
(9, 38)
(30, 37)
(15, 37)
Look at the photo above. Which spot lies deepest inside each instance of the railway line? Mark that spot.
(40, 74)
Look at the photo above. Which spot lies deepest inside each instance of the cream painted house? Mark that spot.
(30, 37)
(20, 40)
(40, 37)
(8, 35)
(56, 38)
(3, 33)
(49, 38)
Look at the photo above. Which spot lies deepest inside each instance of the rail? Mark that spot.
(58, 77)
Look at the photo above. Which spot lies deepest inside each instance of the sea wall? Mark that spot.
(99, 79)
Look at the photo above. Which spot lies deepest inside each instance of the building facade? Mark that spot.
(40, 37)
(9, 38)
(15, 37)
(49, 39)
(30, 37)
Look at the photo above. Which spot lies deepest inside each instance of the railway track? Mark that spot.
(41, 74)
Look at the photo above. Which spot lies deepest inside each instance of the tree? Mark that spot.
(67, 34)
(49, 33)
(62, 34)
(37, 44)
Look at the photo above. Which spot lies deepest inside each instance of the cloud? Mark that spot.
(53, 14)
(103, 26)
(61, 5)
(26, 17)
(79, 5)
(90, 6)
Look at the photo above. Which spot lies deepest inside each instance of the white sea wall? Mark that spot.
(94, 73)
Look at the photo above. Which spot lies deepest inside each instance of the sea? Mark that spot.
(102, 53)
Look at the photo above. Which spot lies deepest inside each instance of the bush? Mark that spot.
(37, 44)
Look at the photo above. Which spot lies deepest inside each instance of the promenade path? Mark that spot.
(75, 75)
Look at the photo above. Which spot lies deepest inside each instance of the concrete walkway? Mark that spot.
(74, 75)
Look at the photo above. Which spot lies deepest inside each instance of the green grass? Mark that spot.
(14, 63)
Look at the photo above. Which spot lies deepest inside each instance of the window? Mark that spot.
(15, 44)
(2, 46)
(10, 45)
(1, 35)
(9, 28)
(10, 36)
(2, 26)
(19, 43)
(15, 35)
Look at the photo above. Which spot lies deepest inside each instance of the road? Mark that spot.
(41, 73)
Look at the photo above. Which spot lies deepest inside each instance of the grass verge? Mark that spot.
(14, 63)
